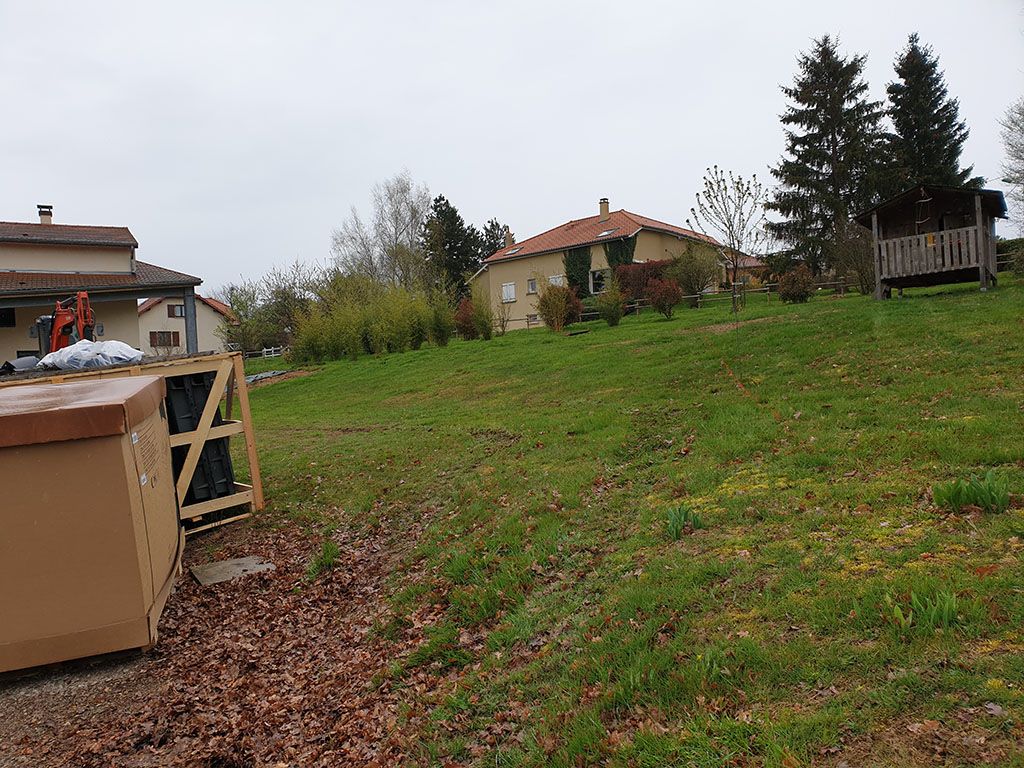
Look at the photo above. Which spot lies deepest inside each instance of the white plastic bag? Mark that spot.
(90, 354)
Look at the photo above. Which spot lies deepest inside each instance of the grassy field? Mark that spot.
(563, 624)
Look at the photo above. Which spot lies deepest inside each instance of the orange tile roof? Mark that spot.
(586, 231)
(214, 304)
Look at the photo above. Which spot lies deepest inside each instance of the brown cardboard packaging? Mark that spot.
(90, 542)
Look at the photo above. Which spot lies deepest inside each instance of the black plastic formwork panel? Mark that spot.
(214, 476)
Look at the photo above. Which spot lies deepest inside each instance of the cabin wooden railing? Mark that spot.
(932, 252)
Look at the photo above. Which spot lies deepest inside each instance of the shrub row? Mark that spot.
(392, 320)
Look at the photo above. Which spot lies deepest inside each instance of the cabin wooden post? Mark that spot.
(876, 255)
(992, 259)
(982, 235)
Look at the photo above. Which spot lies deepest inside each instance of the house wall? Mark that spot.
(156, 319)
(120, 321)
(16, 257)
(650, 246)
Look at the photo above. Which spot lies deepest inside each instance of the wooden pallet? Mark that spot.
(229, 377)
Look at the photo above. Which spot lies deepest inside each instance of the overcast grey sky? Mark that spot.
(233, 136)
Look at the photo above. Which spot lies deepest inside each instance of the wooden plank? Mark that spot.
(229, 396)
(202, 429)
(226, 429)
(979, 244)
(250, 437)
(196, 511)
(217, 523)
(876, 252)
(993, 267)
(181, 366)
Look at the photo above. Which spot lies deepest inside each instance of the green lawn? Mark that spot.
(561, 623)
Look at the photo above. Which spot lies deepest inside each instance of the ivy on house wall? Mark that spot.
(620, 252)
(577, 269)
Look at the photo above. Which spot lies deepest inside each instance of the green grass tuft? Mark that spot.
(991, 493)
(682, 519)
(324, 560)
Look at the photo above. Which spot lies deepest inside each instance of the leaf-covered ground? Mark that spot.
(506, 591)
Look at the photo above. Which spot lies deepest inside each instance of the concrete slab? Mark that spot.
(226, 570)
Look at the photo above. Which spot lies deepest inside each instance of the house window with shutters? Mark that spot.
(508, 293)
(164, 339)
(175, 310)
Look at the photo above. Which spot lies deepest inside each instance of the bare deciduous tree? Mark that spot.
(502, 317)
(387, 248)
(1013, 145)
(852, 256)
(731, 210)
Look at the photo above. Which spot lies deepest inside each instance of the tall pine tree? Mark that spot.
(492, 238)
(928, 132)
(833, 153)
(451, 245)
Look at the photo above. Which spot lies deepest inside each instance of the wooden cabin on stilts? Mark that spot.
(933, 235)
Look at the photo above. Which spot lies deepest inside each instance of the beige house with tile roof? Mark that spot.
(513, 275)
(162, 325)
(42, 263)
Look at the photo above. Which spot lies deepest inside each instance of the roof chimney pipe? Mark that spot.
(45, 214)
(603, 203)
(509, 239)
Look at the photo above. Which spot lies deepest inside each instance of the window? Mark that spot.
(598, 280)
(164, 339)
(175, 310)
(7, 318)
(531, 320)
(514, 250)
(608, 232)
(557, 279)
(531, 285)
(508, 293)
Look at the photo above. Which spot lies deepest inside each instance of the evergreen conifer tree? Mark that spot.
(928, 133)
(452, 246)
(833, 160)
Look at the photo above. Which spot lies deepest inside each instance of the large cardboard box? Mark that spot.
(90, 542)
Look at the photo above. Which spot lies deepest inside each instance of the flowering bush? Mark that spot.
(665, 295)
(634, 279)
(466, 319)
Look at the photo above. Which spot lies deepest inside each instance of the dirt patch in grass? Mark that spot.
(329, 431)
(272, 667)
(718, 328)
(963, 739)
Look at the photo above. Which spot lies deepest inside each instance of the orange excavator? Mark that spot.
(72, 320)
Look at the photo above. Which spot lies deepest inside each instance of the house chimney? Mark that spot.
(509, 240)
(45, 214)
(603, 203)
